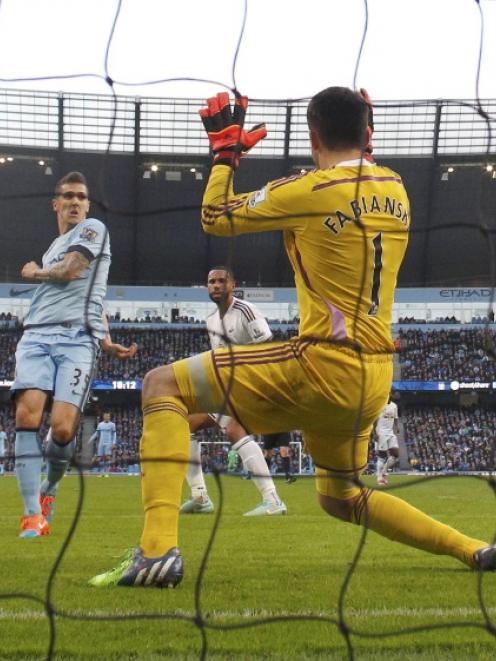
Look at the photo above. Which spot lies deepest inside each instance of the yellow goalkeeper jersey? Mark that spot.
(345, 231)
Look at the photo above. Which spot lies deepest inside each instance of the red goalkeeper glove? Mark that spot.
(228, 139)
(365, 96)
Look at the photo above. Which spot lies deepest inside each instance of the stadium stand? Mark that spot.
(128, 421)
(437, 438)
(156, 347)
(424, 355)
(449, 439)
(446, 354)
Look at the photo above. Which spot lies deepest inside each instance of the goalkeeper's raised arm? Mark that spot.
(223, 212)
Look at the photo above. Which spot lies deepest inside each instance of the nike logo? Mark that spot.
(17, 292)
(78, 394)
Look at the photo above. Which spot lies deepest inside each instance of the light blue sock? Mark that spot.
(28, 463)
(58, 458)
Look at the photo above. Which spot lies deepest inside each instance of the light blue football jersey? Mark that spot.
(106, 432)
(77, 304)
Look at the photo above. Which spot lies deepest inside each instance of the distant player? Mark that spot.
(232, 461)
(345, 228)
(387, 430)
(105, 433)
(64, 330)
(237, 322)
(282, 441)
(3, 449)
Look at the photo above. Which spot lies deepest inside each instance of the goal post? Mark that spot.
(214, 458)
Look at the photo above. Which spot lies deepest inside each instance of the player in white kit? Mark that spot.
(233, 322)
(3, 448)
(386, 429)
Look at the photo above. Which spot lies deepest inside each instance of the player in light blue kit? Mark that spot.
(106, 435)
(63, 332)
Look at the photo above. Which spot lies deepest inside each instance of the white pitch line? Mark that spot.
(247, 613)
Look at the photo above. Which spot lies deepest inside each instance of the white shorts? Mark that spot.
(386, 442)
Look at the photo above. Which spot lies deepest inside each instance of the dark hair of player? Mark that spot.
(227, 270)
(339, 116)
(70, 178)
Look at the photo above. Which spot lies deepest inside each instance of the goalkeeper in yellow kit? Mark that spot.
(345, 228)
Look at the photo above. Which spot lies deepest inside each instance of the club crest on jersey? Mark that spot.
(88, 234)
(257, 197)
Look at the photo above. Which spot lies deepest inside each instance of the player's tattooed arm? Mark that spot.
(70, 268)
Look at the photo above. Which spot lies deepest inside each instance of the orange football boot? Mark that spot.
(34, 526)
(47, 504)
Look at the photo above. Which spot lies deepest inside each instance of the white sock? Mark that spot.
(380, 468)
(254, 461)
(195, 472)
(390, 463)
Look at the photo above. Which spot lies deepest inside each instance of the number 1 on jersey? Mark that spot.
(376, 275)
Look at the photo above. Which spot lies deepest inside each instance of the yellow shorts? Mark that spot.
(325, 390)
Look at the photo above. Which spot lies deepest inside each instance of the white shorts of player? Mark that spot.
(386, 442)
(221, 420)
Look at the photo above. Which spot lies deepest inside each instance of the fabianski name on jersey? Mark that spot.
(387, 206)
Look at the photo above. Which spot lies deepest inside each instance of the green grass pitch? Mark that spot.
(258, 568)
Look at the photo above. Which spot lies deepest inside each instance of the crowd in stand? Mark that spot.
(7, 424)
(156, 347)
(447, 320)
(437, 320)
(8, 342)
(449, 439)
(437, 438)
(152, 319)
(439, 355)
(128, 422)
(483, 320)
(445, 355)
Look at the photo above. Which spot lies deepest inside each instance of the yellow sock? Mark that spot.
(394, 518)
(166, 441)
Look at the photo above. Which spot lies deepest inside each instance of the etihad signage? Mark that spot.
(465, 294)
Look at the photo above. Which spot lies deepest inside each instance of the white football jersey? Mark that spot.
(241, 324)
(385, 422)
